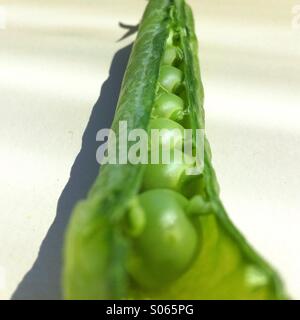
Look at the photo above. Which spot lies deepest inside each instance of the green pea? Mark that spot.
(171, 133)
(170, 38)
(170, 55)
(169, 176)
(170, 78)
(168, 242)
(170, 106)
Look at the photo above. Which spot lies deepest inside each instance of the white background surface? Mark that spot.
(54, 58)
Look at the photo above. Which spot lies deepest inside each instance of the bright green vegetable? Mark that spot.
(170, 78)
(120, 242)
(166, 246)
(170, 176)
(170, 133)
(170, 55)
(169, 106)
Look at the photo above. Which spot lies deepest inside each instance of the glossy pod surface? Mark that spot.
(148, 231)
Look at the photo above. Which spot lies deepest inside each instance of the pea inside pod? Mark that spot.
(167, 244)
(166, 133)
(170, 55)
(170, 78)
(169, 106)
(170, 176)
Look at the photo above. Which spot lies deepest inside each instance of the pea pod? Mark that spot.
(118, 243)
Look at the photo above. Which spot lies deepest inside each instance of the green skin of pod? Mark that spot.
(168, 105)
(166, 245)
(170, 78)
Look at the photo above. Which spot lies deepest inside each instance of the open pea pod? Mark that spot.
(148, 233)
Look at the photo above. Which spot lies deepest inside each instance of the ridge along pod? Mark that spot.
(167, 242)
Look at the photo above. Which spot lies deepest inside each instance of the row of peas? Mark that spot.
(162, 223)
